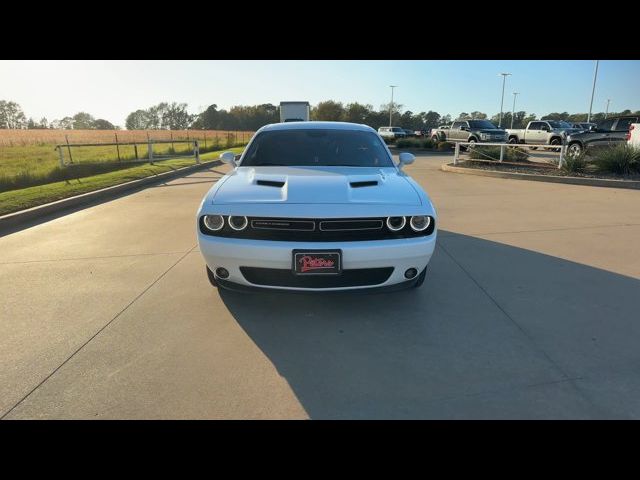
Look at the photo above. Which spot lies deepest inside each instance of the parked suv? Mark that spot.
(392, 132)
(472, 131)
(610, 132)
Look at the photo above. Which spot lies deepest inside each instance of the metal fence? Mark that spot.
(561, 150)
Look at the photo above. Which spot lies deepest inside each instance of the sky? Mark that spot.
(111, 89)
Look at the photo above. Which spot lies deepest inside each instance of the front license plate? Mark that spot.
(317, 262)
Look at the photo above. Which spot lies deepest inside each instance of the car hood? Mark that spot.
(335, 185)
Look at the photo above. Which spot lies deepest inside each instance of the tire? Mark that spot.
(212, 278)
(434, 139)
(421, 278)
(472, 143)
(556, 141)
(575, 149)
(513, 140)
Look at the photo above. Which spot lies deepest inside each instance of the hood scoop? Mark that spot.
(270, 183)
(365, 183)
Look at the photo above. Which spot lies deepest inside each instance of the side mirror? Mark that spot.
(406, 158)
(228, 157)
(462, 127)
(593, 128)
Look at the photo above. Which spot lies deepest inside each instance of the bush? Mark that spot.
(621, 159)
(426, 143)
(574, 164)
(408, 143)
(389, 141)
(511, 154)
(444, 146)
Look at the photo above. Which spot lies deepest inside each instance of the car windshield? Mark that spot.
(317, 147)
(486, 124)
(559, 124)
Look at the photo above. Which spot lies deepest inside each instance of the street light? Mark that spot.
(593, 90)
(504, 79)
(607, 110)
(391, 104)
(513, 110)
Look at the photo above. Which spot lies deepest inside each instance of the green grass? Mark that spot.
(15, 200)
(31, 165)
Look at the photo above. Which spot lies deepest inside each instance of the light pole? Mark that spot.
(607, 110)
(593, 90)
(391, 104)
(513, 110)
(504, 79)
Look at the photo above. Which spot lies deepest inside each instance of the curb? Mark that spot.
(16, 218)
(592, 182)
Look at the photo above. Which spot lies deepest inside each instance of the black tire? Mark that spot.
(575, 149)
(212, 278)
(556, 141)
(421, 278)
(434, 139)
(513, 140)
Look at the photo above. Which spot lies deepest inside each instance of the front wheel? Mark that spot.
(513, 140)
(556, 141)
(575, 150)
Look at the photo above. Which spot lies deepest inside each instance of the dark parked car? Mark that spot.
(610, 132)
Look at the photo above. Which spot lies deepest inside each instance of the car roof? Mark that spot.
(314, 125)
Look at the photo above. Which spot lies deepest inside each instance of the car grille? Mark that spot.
(277, 277)
(317, 230)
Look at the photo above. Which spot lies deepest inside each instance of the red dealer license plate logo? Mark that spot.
(306, 262)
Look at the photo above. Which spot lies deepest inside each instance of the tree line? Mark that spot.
(175, 116)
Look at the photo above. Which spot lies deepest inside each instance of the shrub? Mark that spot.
(621, 159)
(512, 154)
(445, 145)
(388, 140)
(408, 143)
(426, 143)
(574, 163)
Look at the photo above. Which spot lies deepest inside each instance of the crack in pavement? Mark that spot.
(98, 332)
(524, 332)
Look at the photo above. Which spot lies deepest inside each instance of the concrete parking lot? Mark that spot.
(529, 310)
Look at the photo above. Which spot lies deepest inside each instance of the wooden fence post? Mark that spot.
(135, 149)
(68, 148)
(150, 145)
(61, 155)
(196, 149)
(118, 148)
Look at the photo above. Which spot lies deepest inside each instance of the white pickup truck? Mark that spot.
(541, 132)
(633, 137)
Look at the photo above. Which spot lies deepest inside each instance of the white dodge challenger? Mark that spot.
(316, 206)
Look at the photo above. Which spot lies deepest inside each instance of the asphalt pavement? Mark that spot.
(529, 310)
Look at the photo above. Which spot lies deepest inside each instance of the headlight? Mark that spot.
(238, 223)
(420, 223)
(396, 223)
(484, 136)
(214, 222)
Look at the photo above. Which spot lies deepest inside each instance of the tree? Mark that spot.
(478, 115)
(176, 117)
(102, 124)
(65, 124)
(43, 123)
(136, 120)
(328, 110)
(431, 119)
(446, 120)
(464, 116)
(11, 115)
(357, 113)
(83, 121)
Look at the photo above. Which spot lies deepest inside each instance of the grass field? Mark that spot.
(28, 157)
(15, 200)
